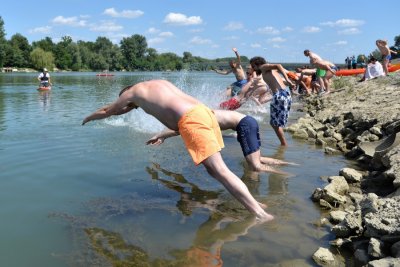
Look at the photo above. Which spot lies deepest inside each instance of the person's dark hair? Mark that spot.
(306, 51)
(123, 90)
(257, 61)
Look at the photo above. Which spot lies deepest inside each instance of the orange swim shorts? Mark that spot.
(200, 132)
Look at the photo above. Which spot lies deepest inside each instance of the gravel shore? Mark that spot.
(362, 121)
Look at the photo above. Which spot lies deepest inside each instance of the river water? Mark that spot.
(96, 195)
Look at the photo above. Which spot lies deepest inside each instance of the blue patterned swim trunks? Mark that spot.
(280, 107)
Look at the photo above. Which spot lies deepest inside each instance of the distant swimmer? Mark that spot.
(386, 53)
(196, 124)
(281, 98)
(237, 70)
(248, 137)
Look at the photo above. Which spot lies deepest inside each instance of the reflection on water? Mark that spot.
(2, 111)
(223, 223)
(111, 198)
(44, 99)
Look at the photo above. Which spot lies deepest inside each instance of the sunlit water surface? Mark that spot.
(96, 195)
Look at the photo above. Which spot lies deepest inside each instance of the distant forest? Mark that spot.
(132, 54)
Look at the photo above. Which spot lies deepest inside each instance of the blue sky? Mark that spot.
(276, 30)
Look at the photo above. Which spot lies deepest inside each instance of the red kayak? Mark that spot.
(104, 74)
(44, 88)
(391, 68)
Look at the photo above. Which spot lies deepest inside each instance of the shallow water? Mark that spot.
(97, 195)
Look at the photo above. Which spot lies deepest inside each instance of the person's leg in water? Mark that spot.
(255, 163)
(281, 135)
(217, 168)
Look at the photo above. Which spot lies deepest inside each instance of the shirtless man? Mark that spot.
(237, 70)
(325, 69)
(281, 99)
(256, 89)
(385, 51)
(247, 135)
(196, 124)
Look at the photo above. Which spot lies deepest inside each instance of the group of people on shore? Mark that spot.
(200, 127)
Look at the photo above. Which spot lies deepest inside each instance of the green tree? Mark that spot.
(151, 63)
(46, 44)
(110, 52)
(3, 43)
(86, 50)
(170, 61)
(187, 57)
(42, 59)
(63, 58)
(76, 62)
(133, 50)
(397, 41)
(21, 50)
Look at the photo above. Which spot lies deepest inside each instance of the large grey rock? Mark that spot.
(361, 257)
(351, 225)
(337, 184)
(375, 248)
(351, 175)
(384, 221)
(385, 262)
(395, 250)
(337, 216)
(323, 257)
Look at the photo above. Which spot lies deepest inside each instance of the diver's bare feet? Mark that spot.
(266, 217)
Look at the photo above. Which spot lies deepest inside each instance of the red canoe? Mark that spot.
(44, 88)
(104, 74)
(392, 68)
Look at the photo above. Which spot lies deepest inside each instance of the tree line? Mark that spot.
(131, 54)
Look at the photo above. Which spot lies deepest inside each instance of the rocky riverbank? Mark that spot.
(362, 121)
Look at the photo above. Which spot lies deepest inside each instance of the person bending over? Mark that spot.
(248, 137)
(196, 124)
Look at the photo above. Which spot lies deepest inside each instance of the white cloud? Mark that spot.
(268, 30)
(276, 46)
(311, 29)
(344, 23)
(233, 26)
(199, 41)
(276, 40)
(287, 29)
(340, 43)
(153, 30)
(230, 38)
(196, 30)
(156, 40)
(106, 26)
(70, 21)
(45, 29)
(181, 19)
(349, 31)
(255, 45)
(166, 34)
(130, 14)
